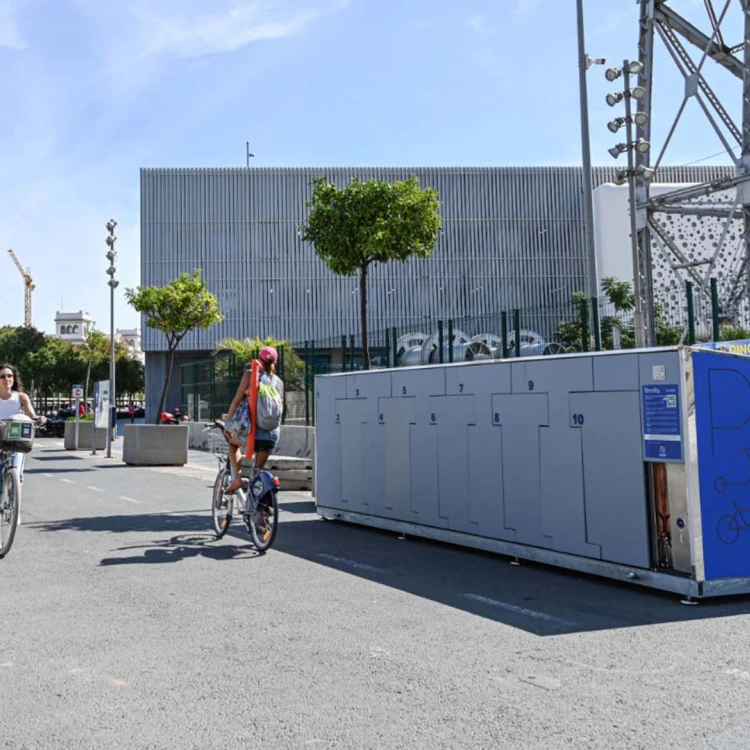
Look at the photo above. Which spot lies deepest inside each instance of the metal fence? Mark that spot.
(581, 325)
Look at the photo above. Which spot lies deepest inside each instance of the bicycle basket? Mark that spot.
(17, 434)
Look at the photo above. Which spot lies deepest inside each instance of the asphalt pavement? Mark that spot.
(125, 624)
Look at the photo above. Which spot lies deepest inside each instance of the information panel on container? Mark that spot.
(662, 429)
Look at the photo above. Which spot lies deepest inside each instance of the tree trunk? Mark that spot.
(163, 399)
(363, 314)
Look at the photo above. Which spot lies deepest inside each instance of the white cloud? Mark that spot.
(10, 34)
(523, 10)
(224, 31)
(144, 30)
(477, 24)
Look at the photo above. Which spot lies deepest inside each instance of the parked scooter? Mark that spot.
(174, 417)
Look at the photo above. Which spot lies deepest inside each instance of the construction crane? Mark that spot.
(29, 284)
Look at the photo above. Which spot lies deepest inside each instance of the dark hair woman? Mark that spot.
(13, 399)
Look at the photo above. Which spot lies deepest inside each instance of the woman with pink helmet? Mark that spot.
(239, 424)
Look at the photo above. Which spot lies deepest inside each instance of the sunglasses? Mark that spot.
(6, 377)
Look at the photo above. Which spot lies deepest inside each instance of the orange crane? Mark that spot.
(29, 288)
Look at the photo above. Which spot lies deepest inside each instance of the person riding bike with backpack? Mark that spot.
(268, 409)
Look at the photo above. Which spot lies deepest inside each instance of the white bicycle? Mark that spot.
(256, 502)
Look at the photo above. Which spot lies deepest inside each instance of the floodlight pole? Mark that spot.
(642, 285)
(113, 283)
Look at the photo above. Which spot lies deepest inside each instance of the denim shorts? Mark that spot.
(265, 446)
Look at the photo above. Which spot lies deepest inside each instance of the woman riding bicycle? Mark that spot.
(14, 400)
(239, 420)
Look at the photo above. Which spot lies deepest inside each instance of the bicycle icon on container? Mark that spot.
(730, 525)
(721, 484)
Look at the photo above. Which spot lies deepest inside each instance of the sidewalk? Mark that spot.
(198, 460)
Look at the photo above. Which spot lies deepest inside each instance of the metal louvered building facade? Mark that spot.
(512, 237)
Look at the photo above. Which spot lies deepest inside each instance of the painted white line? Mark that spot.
(130, 499)
(49, 476)
(94, 489)
(518, 610)
(738, 673)
(67, 481)
(350, 563)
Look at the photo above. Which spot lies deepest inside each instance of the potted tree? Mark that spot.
(175, 309)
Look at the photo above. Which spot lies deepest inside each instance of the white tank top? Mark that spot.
(10, 406)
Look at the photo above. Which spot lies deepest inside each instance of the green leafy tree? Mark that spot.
(16, 343)
(92, 352)
(371, 222)
(619, 293)
(129, 374)
(181, 306)
(245, 349)
(621, 297)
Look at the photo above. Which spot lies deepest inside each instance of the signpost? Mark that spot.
(101, 407)
(77, 396)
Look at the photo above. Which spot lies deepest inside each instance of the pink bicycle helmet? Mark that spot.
(268, 354)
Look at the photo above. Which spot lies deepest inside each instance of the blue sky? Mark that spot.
(92, 90)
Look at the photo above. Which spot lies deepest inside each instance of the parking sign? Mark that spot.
(77, 391)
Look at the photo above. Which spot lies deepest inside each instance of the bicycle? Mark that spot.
(10, 484)
(256, 501)
(10, 501)
(729, 526)
(721, 484)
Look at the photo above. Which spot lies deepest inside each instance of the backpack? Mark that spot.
(270, 404)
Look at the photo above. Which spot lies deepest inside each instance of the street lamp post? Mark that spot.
(111, 256)
(584, 63)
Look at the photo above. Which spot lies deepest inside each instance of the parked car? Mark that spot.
(55, 425)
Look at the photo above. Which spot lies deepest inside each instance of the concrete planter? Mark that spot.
(296, 441)
(155, 445)
(85, 437)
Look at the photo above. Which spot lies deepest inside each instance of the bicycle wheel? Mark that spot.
(221, 505)
(10, 502)
(727, 529)
(264, 522)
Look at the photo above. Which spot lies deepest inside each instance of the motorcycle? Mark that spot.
(174, 417)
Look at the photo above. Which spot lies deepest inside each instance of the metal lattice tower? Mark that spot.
(718, 239)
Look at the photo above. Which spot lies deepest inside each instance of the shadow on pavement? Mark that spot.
(182, 547)
(300, 506)
(536, 598)
(56, 456)
(71, 470)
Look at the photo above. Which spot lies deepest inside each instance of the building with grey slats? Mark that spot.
(512, 237)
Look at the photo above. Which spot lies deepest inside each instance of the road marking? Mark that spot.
(738, 673)
(546, 683)
(350, 563)
(130, 499)
(67, 481)
(94, 489)
(519, 610)
(49, 476)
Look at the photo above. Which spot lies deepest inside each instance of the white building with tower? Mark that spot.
(73, 326)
